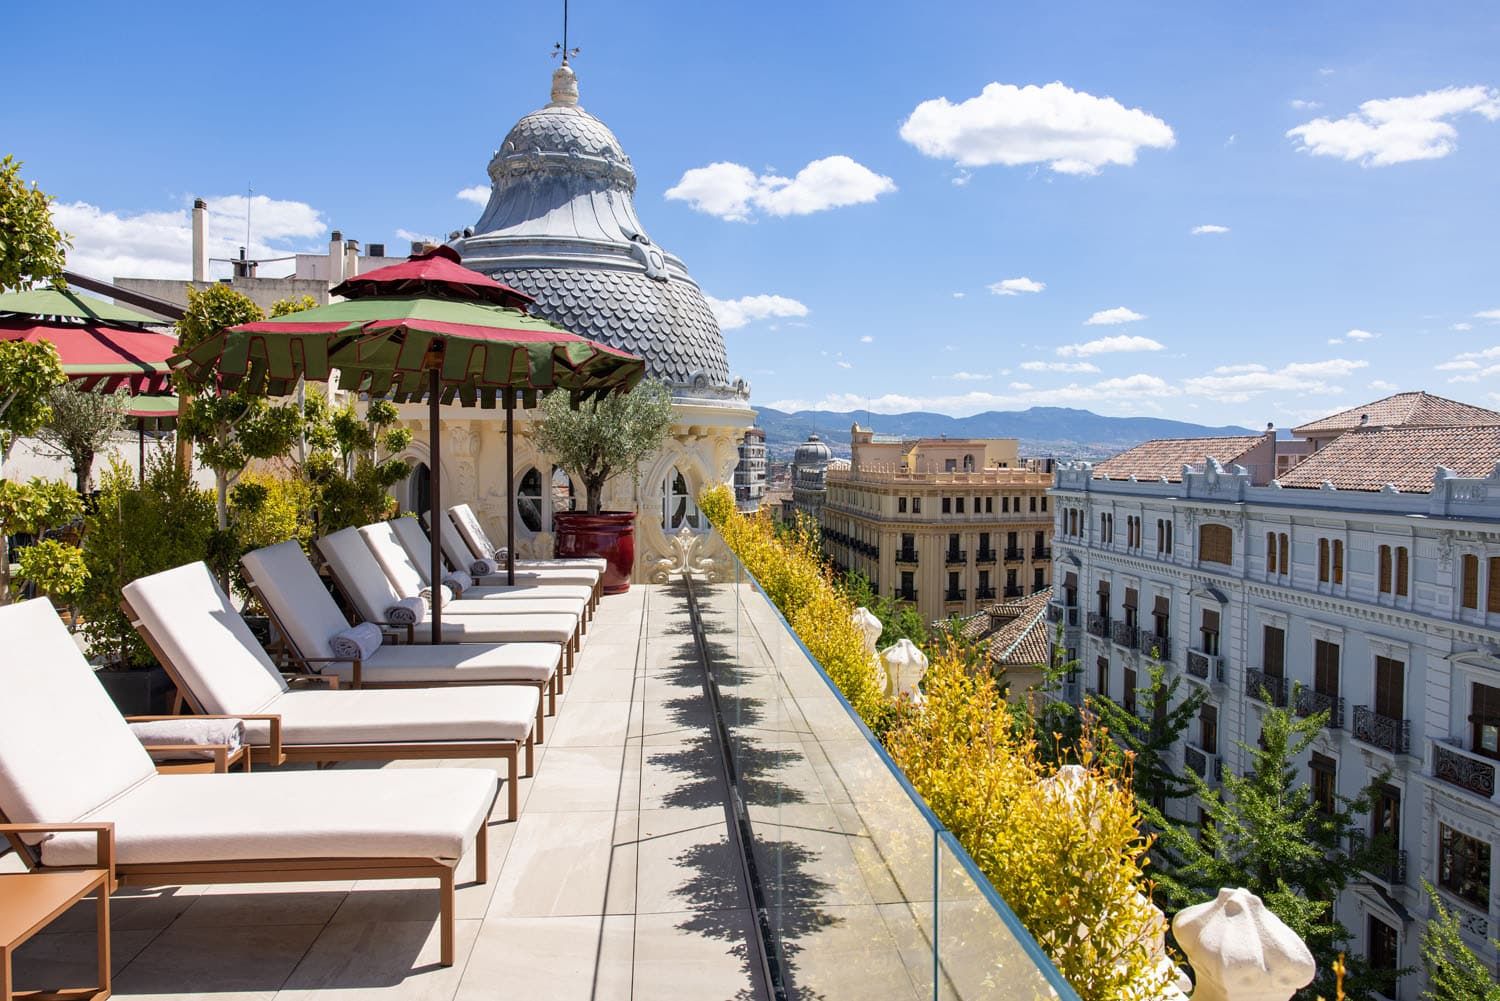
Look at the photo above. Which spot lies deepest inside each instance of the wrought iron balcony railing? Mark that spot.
(1041, 553)
(1260, 685)
(985, 556)
(1388, 734)
(1464, 769)
(953, 556)
(984, 594)
(1206, 666)
(1154, 645)
(1098, 625)
(1208, 767)
(1392, 871)
(906, 556)
(1058, 612)
(955, 594)
(906, 595)
(1013, 591)
(1310, 703)
(1123, 634)
(1014, 554)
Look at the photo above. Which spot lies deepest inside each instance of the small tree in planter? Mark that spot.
(32, 508)
(82, 425)
(595, 442)
(58, 571)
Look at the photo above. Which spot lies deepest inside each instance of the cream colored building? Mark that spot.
(950, 524)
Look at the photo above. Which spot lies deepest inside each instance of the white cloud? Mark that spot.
(1021, 386)
(970, 377)
(407, 234)
(1486, 353)
(1360, 335)
(843, 364)
(962, 179)
(1457, 365)
(1058, 366)
(1397, 129)
(1110, 317)
(958, 295)
(867, 339)
(1238, 383)
(159, 244)
(735, 313)
(1487, 314)
(1071, 131)
(1124, 395)
(1381, 386)
(1209, 229)
(735, 192)
(1302, 105)
(1110, 345)
(1463, 326)
(479, 194)
(1015, 286)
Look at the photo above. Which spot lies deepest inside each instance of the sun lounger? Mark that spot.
(75, 785)
(305, 614)
(583, 581)
(372, 595)
(220, 669)
(463, 518)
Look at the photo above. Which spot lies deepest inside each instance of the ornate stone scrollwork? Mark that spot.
(686, 559)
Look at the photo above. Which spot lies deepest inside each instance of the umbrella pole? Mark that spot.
(510, 479)
(434, 448)
(140, 440)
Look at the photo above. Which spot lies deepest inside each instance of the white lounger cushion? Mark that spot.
(463, 518)
(456, 550)
(306, 611)
(64, 750)
(576, 582)
(544, 628)
(404, 715)
(409, 581)
(396, 813)
(212, 649)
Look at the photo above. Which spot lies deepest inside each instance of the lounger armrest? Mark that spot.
(273, 747)
(104, 834)
(405, 629)
(219, 751)
(313, 680)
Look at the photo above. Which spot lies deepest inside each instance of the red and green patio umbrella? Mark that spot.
(426, 329)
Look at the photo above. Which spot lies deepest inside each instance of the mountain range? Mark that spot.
(1043, 431)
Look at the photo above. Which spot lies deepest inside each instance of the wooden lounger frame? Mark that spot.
(276, 753)
(547, 691)
(265, 870)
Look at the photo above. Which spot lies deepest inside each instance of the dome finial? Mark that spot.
(564, 86)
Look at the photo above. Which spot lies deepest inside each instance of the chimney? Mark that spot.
(200, 240)
(1364, 419)
(351, 258)
(335, 258)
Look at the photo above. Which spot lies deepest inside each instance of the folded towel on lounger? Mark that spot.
(457, 581)
(189, 730)
(356, 642)
(406, 612)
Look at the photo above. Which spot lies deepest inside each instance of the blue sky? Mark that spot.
(849, 181)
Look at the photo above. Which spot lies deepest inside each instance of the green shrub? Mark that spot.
(133, 532)
(56, 568)
(264, 509)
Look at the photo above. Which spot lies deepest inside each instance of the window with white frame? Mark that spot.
(678, 506)
(537, 501)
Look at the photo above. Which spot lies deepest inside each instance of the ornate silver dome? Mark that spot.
(561, 226)
(812, 452)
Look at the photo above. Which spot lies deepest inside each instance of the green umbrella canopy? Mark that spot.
(388, 346)
(69, 304)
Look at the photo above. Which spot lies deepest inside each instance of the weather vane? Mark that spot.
(561, 48)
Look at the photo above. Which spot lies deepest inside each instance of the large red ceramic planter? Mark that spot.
(608, 534)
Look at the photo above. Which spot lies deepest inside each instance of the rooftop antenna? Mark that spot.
(248, 192)
(561, 48)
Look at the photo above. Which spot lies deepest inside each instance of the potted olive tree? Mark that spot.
(595, 442)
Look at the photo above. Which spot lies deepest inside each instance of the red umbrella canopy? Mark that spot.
(100, 356)
(435, 274)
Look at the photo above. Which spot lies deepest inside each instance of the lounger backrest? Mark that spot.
(393, 558)
(419, 547)
(455, 548)
(467, 522)
(302, 605)
(204, 640)
(64, 750)
(359, 575)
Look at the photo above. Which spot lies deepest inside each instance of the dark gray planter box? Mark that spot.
(139, 691)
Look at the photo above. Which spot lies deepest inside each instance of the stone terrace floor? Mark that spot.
(617, 882)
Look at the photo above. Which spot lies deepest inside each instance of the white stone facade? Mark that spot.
(1426, 737)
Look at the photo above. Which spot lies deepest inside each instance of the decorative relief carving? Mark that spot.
(686, 559)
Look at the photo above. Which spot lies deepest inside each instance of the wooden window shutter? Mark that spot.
(1385, 569)
(1492, 597)
(1270, 552)
(1322, 561)
(1216, 544)
(1470, 581)
(1403, 571)
(1338, 561)
(1286, 562)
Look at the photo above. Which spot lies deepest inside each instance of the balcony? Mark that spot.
(1259, 685)
(1310, 703)
(1206, 666)
(1014, 554)
(1393, 735)
(1464, 769)
(1098, 625)
(1123, 634)
(1041, 553)
(906, 556)
(955, 594)
(1154, 645)
(1014, 591)
(985, 594)
(985, 556)
(956, 556)
(906, 595)
(1208, 767)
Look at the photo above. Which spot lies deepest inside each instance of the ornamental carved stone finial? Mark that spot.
(905, 664)
(1241, 951)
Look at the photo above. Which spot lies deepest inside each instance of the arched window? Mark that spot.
(535, 505)
(529, 499)
(678, 506)
(419, 489)
(1216, 544)
(563, 498)
(968, 463)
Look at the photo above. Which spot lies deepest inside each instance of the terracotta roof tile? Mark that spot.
(1015, 632)
(1402, 410)
(1152, 460)
(1405, 457)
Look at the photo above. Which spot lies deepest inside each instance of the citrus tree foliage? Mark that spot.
(32, 508)
(794, 576)
(351, 462)
(1150, 737)
(31, 248)
(264, 509)
(1454, 973)
(286, 307)
(1266, 832)
(55, 568)
(1063, 848)
(81, 425)
(28, 374)
(601, 438)
(134, 531)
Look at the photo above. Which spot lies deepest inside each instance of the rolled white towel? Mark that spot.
(484, 568)
(406, 612)
(189, 730)
(457, 581)
(356, 642)
(444, 592)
